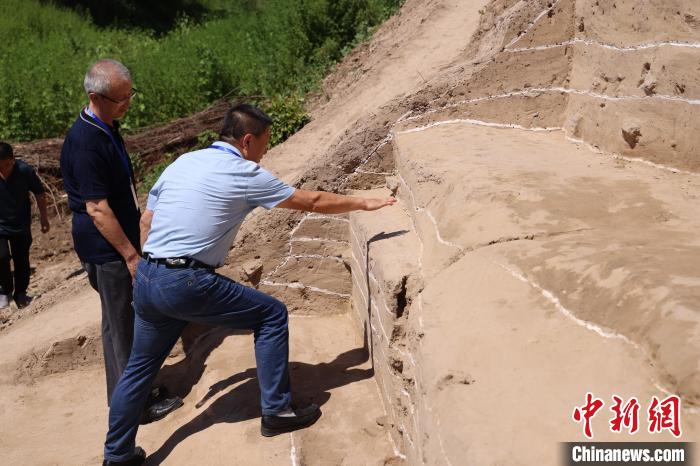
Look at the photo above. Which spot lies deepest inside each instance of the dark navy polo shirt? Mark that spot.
(15, 206)
(93, 168)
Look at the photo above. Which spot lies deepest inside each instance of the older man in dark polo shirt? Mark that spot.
(99, 180)
(17, 179)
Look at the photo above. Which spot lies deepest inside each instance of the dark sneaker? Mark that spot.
(271, 425)
(22, 300)
(136, 460)
(4, 301)
(159, 405)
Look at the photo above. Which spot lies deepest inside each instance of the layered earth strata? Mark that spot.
(548, 235)
(542, 247)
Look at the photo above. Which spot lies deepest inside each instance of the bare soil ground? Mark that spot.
(543, 155)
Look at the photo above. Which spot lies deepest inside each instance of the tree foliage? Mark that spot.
(182, 58)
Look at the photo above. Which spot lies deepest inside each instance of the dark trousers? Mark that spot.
(112, 281)
(165, 300)
(17, 248)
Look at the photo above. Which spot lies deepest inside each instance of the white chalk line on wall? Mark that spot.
(586, 41)
(537, 91)
(301, 286)
(478, 123)
(533, 23)
(593, 148)
(298, 285)
(293, 450)
(418, 209)
(605, 45)
(381, 332)
(588, 325)
(629, 159)
(307, 239)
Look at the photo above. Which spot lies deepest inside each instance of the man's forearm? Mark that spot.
(330, 203)
(145, 226)
(41, 202)
(108, 225)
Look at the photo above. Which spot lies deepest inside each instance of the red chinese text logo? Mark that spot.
(586, 412)
(662, 414)
(665, 415)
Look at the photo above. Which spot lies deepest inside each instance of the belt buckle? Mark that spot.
(176, 262)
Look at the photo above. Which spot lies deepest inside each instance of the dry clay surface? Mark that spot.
(60, 417)
(575, 273)
(549, 197)
(52, 402)
(543, 155)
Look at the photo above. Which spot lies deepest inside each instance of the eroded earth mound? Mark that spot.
(544, 246)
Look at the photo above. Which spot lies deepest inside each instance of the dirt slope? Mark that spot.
(543, 154)
(54, 381)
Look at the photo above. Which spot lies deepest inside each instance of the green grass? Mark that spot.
(277, 50)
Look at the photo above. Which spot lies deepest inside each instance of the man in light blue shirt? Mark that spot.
(194, 211)
(200, 201)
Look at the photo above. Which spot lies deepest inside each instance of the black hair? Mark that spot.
(243, 119)
(6, 152)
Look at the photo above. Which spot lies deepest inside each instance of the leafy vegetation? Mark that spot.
(185, 55)
(148, 177)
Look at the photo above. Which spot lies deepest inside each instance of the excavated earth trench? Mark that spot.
(544, 246)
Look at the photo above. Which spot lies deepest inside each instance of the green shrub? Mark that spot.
(149, 178)
(288, 115)
(276, 49)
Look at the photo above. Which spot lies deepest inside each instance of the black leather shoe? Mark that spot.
(160, 409)
(271, 425)
(136, 460)
(22, 301)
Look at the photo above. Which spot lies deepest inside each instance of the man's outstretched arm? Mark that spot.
(330, 203)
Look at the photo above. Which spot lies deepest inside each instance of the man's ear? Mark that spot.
(92, 97)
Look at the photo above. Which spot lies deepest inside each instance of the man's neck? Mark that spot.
(237, 145)
(100, 115)
(5, 174)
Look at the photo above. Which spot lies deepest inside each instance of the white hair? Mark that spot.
(102, 74)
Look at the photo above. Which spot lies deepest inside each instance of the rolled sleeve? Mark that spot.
(153, 197)
(266, 190)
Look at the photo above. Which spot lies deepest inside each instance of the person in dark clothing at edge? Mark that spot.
(99, 180)
(17, 179)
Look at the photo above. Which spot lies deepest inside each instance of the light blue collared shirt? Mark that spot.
(201, 199)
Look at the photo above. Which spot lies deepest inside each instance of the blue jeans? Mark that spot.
(164, 301)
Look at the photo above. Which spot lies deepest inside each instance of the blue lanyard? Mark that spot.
(120, 147)
(226, 149)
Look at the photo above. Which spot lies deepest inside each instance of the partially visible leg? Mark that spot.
(112, 281)
(6, 282)
(153, 340)
(272, 358)
(233, 305)
(20, 246)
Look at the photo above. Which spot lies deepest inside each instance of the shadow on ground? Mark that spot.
(310, 383)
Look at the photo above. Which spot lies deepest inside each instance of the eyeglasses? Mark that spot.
(119, 102)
